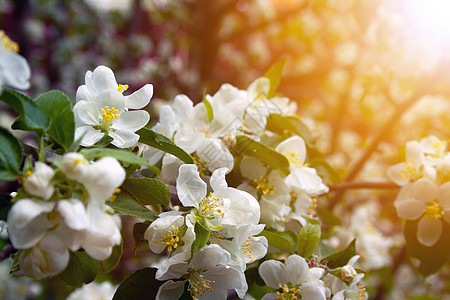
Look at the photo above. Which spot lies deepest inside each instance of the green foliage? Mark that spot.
(322, 250)
(247, 146)
(201, 237)
(31, 117)
(138, 235)
(209, 109)
(274, 75)
(433, 258)
(148, 191)
(10, 155)
(111, 262)
(56, 105)
(127, 204)
(104, 141)
(159, 141)
(5, 205)
(280, 240)
(289, 124)
(81, 269)
(308, 238)
(340, 258)
(122, 155)
(139, 285)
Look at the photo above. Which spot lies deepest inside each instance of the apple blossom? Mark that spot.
(14, 69)
(39, 182)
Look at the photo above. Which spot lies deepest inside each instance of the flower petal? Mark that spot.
(296, 270)
(444, 196)
(311, 291)
(191, 188)
(425, 190)
(429, 232)
(124, 138)
(293, 144)
(86, 113)
(73, 213)
(131, 120)
(15, 70)
(410, 209)
(170, 290)
(271, 271)
(110, 98)
(89, 136)
(140, 98)
(217, 180)
(103, 79)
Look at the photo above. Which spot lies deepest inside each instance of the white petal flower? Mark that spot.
(14, 69)
(94, 290)
(39, 182)
(74, 165)
(164, 232)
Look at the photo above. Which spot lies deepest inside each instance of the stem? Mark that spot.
(42, 149)
(6, 253)
(364, 185)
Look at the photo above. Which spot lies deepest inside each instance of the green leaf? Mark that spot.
(159, 141)
(201, 237)
(122, 155)
(148, 191)
(308, 238)
(10, 155)
(340, 258)
(247, 146)
(111, 262)
(139, 285)
(58, 107)
(138, 234)
(280, 240)
(208, 107)
(5, 205)
(31, 117)
(291, 124)
(104, 141)
(127, 204)
(433, 258)
(274, 75)
(322, 250)
(81, 269)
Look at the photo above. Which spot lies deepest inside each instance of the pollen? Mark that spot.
(122, 88)
(7, 43)
(433, 211)
(409, 171)
(198, 285)
(170, 239)
(439, 147)
(288, 293)
(201, 166)
(313, 207)
(247, 247)
(263, 186)
(109, 114)
(211, 207)
(362, 291)
(293, 159)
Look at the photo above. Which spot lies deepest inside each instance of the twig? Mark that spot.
(364, 185)
(6, 253)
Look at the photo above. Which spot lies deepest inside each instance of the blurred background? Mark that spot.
(368, 76)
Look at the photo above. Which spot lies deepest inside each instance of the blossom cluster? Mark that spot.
(425, 187)
(63, 209)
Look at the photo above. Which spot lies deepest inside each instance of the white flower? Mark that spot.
(294, 278)
(225, 206)
(14, 69)
(39, 182)
(94, 291)
(74, 165)
(208, 274)
(16, 288)
(302, 178)
(102, 109)
(426, 200)
(164, 232)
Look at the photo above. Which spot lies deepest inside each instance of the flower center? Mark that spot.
(293, 159)
(108, 116)
(433, 211)
(197, 284)
(205, 130)
(211, 208)
(410, 171)
(201, 165)
(8, 43)
(443, 173)
(263, 186)
(122, 88)
(171, 239)
(439, 147)
(288, 293)
(313, 207)
(362, 291)
(247, 247)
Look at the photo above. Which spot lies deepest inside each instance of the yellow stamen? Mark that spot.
(439, 147)
(410, 171)
(171, 238)
(210, 208)
(263, 186)
(247, 247)
(288, 293)
(362, 291)
(201, 166)
(198, 286)
(7, 43)
(293, 159)
(433, 211)
(122, 88)
(313, 207)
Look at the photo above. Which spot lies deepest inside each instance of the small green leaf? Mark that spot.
(159, 141)
(31, 117)
(5, 205)
(201, 237)
(280, 240)
(340, 258)
(103, 142)
(10, 155)
(81, 269)
(247, 146)
(433, 258)
(291, 124)
(138, 234)
(127, 204)
(148, 190)
(322, 250)
(58, 107)
(274, 75)
(139, 285)
(122, 155)
(111, 262)
(208, 107)
(308, 238)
